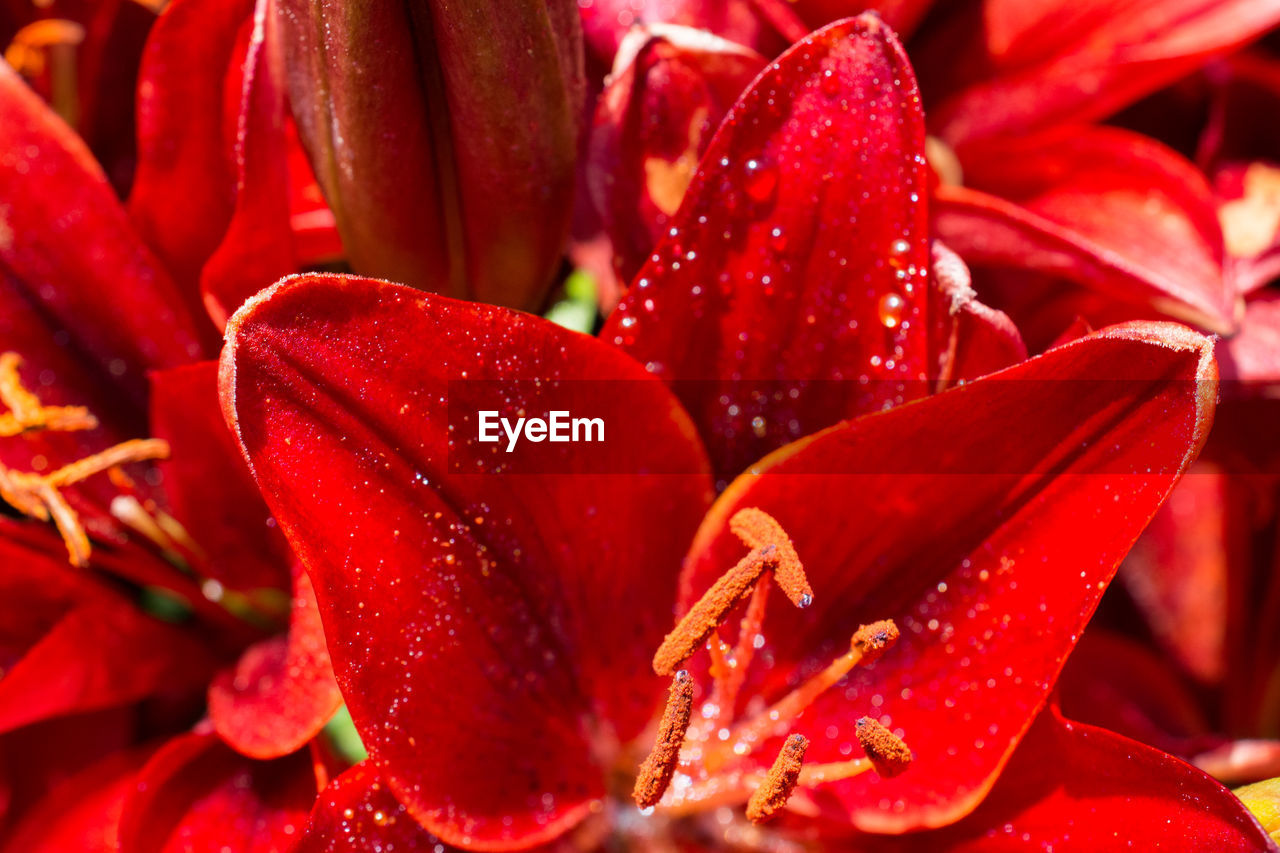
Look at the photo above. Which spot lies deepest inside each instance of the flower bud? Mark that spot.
(443, 135)
(669, 89)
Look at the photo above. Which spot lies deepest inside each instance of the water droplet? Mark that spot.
(891, 307)
(761, 181)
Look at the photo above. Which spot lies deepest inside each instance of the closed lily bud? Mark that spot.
(443, 135)
(669, 89)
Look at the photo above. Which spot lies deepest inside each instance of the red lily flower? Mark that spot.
(490, 711)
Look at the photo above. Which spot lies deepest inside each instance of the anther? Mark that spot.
(773, 793)
(865, 646)
(872, 641)
(25, 410)
(704, 617)
(885, 749)
(660, 766)
(756, 528)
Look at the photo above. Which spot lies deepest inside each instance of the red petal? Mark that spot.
(472, 626)
(987, 521)
(1024, 66)
(282, 692)
(968, 339)
(1131, 689)
(83, 813)
(184, 187)
(668, 91)
(73, 646)
(196, 795)
(901, 15)
(1075, 787)
(1179, 571)
(799, 253)
(357, 813)
(35, 759)
(606, 22)
(1253, 356)
(209, 487)
(68, 247)
(1104, 208)
(258, 245)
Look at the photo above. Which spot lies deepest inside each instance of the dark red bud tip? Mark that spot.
(775, 790)
(887, 751)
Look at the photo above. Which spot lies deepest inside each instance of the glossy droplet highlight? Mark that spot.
(891, 308)
(761, 181)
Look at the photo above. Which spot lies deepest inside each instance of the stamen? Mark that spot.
(37, 495)
(757, 528)
(704, 617)
(820, 774)
(728, 681)
(867, 644)
(133, 450)
(872, 641)
(660, 766)
(884, 749)
(25, 410)
(775, 790)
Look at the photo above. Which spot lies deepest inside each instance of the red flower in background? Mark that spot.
(492, 631)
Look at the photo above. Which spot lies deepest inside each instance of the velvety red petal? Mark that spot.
(902, 15)
(1252, 357)
(668, 91)
(358, 812)
(195, 795)
(184, 187)
(800, 253)
(258, 246)
(209, 488)
(1179, 573)
(967, 339)
(68, 242)
(1071, 786)
(605, 23)
(1018, 66)
(69, 248)
(282, 692)
(986, 521)
(476, 621)
(82, 813)
(1118, 684)
(36, 759)
(1104, 208)
(73, 645)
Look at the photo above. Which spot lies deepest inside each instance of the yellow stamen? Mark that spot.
(37, 495)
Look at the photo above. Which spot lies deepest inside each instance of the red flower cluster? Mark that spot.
(900, 356)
